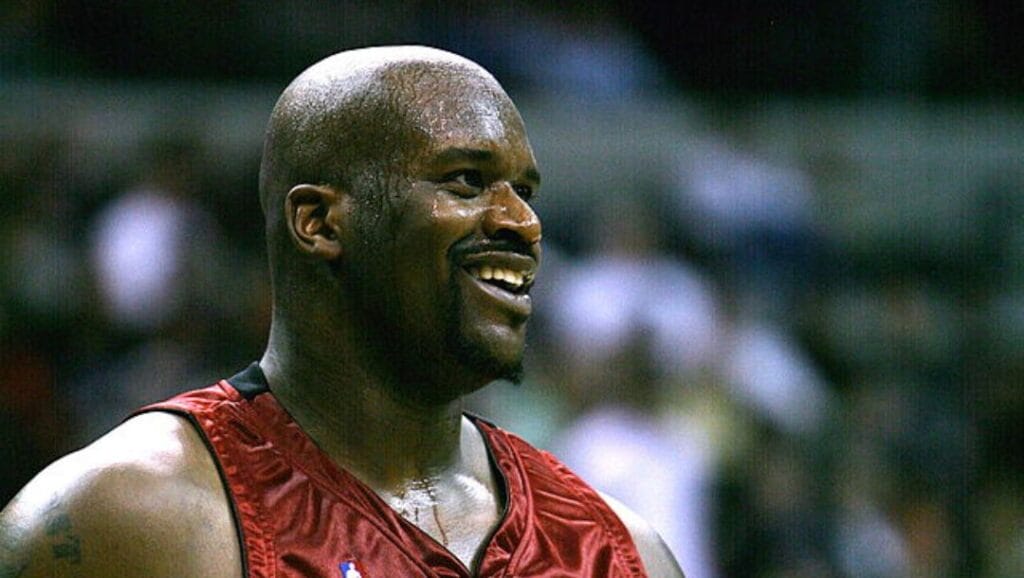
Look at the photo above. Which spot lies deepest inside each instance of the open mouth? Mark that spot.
(510, 280)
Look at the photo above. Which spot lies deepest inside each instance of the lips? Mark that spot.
(509, 271)
(505, 278)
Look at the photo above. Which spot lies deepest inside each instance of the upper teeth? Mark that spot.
(509, 276)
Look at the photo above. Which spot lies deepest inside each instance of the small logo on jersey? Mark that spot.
(349, 569)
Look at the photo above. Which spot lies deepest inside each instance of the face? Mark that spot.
(461, 243)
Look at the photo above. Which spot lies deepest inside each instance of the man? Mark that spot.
(396, 185)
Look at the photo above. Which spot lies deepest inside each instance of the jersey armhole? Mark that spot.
(610, 521)
(235, 515)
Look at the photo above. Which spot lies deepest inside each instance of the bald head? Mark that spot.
(383, 169)
(361, 110)
(356, 120)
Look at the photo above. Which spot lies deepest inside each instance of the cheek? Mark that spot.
(431, 228)
(422, 262)
(452, 215)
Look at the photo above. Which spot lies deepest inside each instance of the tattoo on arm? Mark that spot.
(66, 544)
(60, 536)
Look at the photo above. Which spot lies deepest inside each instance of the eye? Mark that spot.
(468, 182)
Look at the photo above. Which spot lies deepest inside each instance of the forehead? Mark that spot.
(452, 109)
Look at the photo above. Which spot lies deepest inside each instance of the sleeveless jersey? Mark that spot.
(299, 514)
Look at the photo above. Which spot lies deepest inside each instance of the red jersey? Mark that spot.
(299, 514)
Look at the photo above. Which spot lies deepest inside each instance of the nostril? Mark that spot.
(507, 235)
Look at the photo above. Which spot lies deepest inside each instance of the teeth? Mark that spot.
(513, 278)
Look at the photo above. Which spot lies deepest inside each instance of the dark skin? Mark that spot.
(388, 207)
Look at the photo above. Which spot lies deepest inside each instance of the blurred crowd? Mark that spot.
(768, 350)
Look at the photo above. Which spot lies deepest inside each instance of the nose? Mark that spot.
(509, 212)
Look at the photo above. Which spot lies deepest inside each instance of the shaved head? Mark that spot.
(357, 112)
(354, 120)
(384, 170)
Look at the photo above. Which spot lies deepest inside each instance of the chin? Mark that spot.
(485, 341)
(489, 358)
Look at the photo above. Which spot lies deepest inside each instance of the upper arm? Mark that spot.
(658, 559)
(140, 502)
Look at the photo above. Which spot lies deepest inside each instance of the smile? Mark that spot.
(503, 278)
(506, 270)
(516, 282)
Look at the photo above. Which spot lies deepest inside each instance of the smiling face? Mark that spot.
(447, 265)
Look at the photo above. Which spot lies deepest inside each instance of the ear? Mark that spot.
(315, 215)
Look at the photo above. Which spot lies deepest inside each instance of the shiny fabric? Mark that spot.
(299, 514)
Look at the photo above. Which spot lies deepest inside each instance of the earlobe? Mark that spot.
(313, 216)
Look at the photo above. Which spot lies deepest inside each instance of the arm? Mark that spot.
(145, 500)
(657, 558)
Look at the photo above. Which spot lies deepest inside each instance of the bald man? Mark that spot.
(396, 185)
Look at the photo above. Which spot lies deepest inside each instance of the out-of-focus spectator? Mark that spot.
(628, 287)
(661, 471)
(608, 300)
(580, 51)
(626, 320)
(764, 369)
(153, 247)
(755, 216)
(164, 283)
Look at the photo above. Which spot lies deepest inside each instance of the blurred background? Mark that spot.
(781, 312)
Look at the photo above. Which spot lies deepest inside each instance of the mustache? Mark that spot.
(508, 244)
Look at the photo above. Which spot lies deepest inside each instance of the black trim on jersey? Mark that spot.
(250, 382)
(236, 516)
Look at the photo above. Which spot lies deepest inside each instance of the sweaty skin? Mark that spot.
(395, 184)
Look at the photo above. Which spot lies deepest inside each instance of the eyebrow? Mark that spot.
(455, 154)
(460, 153)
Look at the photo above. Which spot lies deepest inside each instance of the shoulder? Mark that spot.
(657, 558)
(146, 499)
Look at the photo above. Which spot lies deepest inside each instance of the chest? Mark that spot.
(301, 525)
(298, 515)
(460, 517)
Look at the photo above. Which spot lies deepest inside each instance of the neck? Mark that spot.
(357, 416)
(425, 460)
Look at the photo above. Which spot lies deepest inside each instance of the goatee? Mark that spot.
(471, 354)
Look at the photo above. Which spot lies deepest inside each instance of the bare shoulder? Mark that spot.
(658, 559)
(144, 500)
